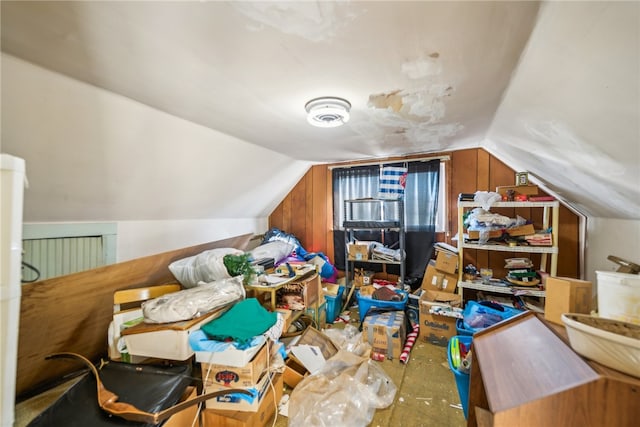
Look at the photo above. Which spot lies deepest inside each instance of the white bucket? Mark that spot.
(619, 296)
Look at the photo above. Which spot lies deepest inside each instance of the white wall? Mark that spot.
(606, 236)
(571, 113)
(141, 238)
(95, 156)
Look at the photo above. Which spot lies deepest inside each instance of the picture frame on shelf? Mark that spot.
(522, 178)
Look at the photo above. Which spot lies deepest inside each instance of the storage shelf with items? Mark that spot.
(520, 239)
(375, 217)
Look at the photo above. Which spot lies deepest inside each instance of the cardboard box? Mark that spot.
(475, 234)
(436, 328)
(299, 295)
(521, 230)
(529, 190)
(294, 372)
(312, 336)
(386, 332)
(235, 418)
(231, 356)
(366, 290)
(446, 262)
(287, 315)
(294, 368)
(358, 251)
(566, 295)
(363, 278)
(215, 376)
(435, 280)
(237, 402)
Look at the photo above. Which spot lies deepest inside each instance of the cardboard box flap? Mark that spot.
(313, 337)
(448, 298)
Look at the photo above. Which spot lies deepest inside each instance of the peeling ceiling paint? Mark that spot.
(415, 113)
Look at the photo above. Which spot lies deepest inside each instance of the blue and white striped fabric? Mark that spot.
(393, 180)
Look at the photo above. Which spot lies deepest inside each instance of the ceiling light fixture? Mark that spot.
(328, 112)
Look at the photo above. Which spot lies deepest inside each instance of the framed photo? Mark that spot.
(522, 178)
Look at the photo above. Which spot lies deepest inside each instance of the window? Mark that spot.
(425, 203)
(425, 207)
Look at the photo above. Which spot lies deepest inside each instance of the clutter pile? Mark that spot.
(214, 324)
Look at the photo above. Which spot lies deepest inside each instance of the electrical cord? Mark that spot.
(32, 268)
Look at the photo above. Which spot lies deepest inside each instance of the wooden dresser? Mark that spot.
(525, 373)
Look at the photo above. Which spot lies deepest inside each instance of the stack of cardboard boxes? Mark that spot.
(439, 305)
(247, 371)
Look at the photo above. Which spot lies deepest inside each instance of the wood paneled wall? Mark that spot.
(72, 313)
(307, 211)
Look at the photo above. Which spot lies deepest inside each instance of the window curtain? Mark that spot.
(421, 207)
(351, 183)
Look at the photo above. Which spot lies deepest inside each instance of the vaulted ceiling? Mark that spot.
(548, 87)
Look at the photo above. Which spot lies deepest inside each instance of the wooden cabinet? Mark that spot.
(550, 219)
(524, 373)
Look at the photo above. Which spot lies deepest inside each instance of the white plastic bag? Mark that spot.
(277, 249)
(190, 303)
(486, 198)
(344, 393)
(207, 266)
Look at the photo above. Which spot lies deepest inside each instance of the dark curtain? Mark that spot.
(421, 207)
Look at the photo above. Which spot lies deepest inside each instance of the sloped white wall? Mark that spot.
(92, 155)
(606, 236)
(571, 114)
(571, 117)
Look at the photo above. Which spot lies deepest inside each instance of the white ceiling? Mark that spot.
(421, 76)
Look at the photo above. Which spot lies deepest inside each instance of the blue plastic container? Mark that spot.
(462, 378)
(366, 303)
(461, 329)
(478, 316)
(334, 303)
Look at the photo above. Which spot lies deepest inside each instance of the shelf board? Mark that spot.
(506, 248)
(534, 291)
(398, 229)
(553, 204)
(375, 261)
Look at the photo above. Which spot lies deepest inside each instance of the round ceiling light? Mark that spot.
(328, 112)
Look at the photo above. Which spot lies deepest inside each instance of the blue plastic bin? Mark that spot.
(366, 303)
(462, 378)
(334, 303)
(485, 316)
(461, 329)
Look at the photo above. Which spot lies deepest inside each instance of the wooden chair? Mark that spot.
(127, 307)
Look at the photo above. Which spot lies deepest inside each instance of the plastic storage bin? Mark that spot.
(619, 296)
(462, 378)
(367, 303)
(334, 303)
(477, 316)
